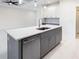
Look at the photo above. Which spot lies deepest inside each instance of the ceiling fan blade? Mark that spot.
(15, 3)
(11, 2)
(6, 1)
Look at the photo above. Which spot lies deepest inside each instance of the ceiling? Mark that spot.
(32, 3)
(41, 2)
(48, 1)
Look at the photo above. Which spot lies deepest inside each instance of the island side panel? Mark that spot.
(13, 48)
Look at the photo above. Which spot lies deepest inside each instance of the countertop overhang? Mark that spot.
(21, 33)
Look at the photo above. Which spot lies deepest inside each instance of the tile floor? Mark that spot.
(68, 49)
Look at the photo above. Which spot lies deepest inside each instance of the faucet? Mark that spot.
(39, 23)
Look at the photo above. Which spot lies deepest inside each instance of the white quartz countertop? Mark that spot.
(20, 33)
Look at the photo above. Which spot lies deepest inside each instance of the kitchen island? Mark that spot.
(32, 43)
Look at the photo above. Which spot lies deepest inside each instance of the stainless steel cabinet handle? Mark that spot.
(28, 41)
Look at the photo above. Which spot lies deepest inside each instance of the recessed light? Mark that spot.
(35, 4)
(45, 6)
(20, 1)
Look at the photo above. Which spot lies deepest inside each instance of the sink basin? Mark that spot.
(43, 28)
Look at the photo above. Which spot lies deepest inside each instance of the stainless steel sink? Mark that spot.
(43, 28)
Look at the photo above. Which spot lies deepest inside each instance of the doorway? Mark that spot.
(77, 22)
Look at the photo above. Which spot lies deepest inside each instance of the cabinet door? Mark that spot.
(58, 35)
(52, 39)
(44, 43)
(31, 48)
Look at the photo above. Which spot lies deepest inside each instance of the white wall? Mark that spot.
(67, 12)
(13, 18)
(68, 17)
(51, 11)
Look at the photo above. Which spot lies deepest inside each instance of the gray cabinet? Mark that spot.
(31, 48)
(34, 47)
(28, 48)
(43, 43)
(49, 39)
(58, 35)
(52, 39)
(13, 48)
